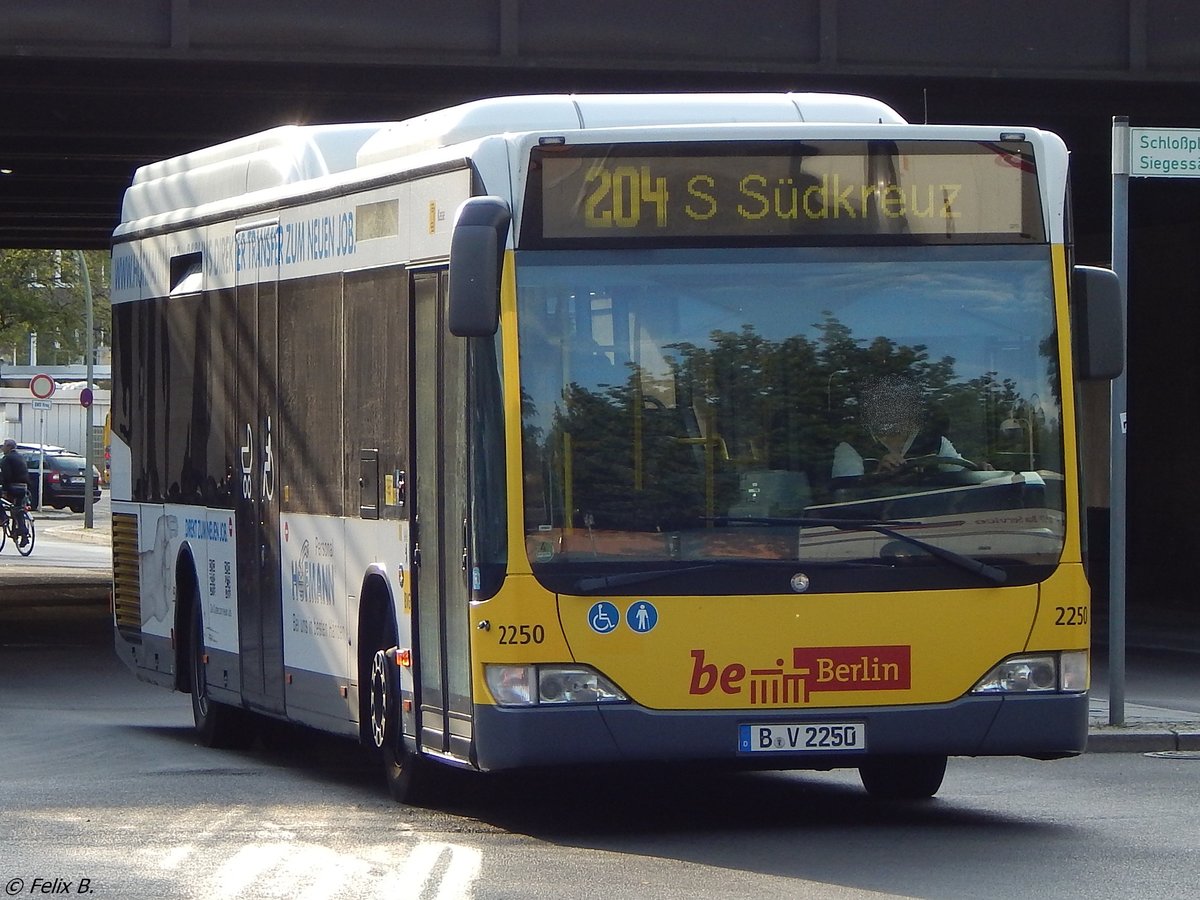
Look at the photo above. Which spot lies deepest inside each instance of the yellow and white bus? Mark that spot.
(561, 430)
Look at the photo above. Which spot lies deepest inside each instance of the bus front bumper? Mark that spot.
(1043, 726)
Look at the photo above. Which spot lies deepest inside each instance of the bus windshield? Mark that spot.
(693, 407)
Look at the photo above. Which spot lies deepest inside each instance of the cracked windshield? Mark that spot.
(702, 406)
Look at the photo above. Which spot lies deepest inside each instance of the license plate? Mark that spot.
(79, 480)
(819, 737)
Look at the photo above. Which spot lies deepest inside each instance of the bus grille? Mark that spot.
(127, 589)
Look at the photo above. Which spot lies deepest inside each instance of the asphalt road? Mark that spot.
(69, 562)
(105, 790)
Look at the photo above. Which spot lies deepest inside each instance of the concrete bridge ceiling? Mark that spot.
(89, 91)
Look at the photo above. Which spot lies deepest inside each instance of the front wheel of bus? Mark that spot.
(399, 765)
(217, 724)
(903, 777)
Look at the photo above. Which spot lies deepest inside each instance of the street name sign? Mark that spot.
(1164, 152)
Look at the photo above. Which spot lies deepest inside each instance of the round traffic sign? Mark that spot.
(86, 397)
(42, 386)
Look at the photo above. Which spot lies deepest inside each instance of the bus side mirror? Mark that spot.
(1099, 333)
(476, 261)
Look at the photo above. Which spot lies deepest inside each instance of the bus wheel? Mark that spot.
(217, 724)
(903, 777)
(399, 765)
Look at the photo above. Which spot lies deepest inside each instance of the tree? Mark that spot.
(42, 291)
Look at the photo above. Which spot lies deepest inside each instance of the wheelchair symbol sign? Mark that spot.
(603, 617)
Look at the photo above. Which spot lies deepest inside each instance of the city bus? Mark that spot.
(736, 429)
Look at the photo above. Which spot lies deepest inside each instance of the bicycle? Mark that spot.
(13, 520)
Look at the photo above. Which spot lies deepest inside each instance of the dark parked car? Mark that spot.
(65, 479)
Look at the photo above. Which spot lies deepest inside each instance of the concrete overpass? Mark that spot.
(89, 91)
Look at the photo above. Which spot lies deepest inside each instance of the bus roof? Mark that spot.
(568, 112)
(293, 154)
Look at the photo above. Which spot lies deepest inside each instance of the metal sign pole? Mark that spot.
(1117, 448)
(89, 476)
(41, 386)
(41, 461)
(1137, 153)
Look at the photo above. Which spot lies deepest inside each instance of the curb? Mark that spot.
(82, 535)
(73, 530)
(1141, 739)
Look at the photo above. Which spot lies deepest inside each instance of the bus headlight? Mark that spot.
(1037, 673)
(530, 685)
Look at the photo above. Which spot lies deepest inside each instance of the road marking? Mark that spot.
(249, 865)
(434, 870)
(459, 867)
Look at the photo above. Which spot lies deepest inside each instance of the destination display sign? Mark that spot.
(737, 193)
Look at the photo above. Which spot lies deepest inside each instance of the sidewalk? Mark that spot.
(1155, 641)
(1147, 729)
(71, 529)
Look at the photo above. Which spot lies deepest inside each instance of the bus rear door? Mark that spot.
(256, 527)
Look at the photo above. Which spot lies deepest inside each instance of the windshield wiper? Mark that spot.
(622, 579)
(885, 527)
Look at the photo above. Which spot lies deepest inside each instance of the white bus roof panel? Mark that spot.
(294, 154)
(285, 155)
(570, 112)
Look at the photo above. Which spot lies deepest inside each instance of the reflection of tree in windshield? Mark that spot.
(745, 419)
(627, 461)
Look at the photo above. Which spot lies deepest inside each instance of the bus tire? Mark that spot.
(400, 765)
(217, 724)
(903, 777)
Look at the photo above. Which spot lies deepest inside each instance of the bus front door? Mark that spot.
(441, 594)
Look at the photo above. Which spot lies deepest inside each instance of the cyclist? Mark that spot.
(14, 483)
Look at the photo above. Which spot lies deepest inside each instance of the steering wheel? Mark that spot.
(932, 459)
(917, 464)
